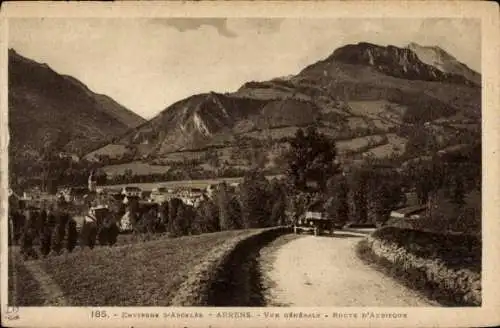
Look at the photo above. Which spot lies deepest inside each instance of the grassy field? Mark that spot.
(23, 288)
(275, 133)
(138, 168)
(182, 183)
(144, 274)
(373, 108)
(112, 150)
(178, 184)
(357, 143)
(395, 144)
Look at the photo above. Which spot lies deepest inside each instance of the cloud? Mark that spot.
(258, 25)
(187, 24)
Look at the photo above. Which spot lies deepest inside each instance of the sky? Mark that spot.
(147, 64)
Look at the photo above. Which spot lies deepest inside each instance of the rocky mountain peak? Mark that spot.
(443, 61)
(394, 61)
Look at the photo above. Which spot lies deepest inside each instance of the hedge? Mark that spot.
(446, 268)
(210, 277)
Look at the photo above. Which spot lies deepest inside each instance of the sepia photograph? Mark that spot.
(246, 162)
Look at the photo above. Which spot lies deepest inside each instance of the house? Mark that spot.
(409, 212)
(191, 196)
(71, 156)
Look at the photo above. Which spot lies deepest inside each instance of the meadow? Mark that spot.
(131, 274)
(183, 183)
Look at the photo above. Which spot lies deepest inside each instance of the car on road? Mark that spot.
(314, 222)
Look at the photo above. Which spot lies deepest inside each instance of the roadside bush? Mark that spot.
(447, 268)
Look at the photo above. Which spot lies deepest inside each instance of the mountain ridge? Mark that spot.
(60, 110)
(332, 93)
(444, 61)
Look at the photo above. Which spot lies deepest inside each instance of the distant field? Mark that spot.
(181, 184)
(356, 122)
(138, 168)
(143, 274)
(275, 133)
(382, 151)
(396, 145)
(263, 93)
(180, 156)
(374, 108)
(177, 184)
(112, 150)
(383, 124)
(357, 143)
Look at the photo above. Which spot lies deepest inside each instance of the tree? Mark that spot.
(206, 217)
(277, 203)
(278, 214)
(178, 222)
(357, 196)
(384, 193)
(229, 209)
(254, 197)
(337, 206)
(311, 159)
(297, 205)
(183, 220)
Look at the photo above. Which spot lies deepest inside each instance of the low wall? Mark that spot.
(219, 279)
(410, 258)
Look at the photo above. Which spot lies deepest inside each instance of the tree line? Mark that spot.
(366, 192)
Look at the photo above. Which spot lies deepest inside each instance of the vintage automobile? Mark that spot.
(315, 222)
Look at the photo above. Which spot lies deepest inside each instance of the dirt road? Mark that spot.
(324, 271)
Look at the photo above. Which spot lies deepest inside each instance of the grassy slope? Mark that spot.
(146, 274)
(24, 290)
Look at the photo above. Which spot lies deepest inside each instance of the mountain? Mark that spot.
(49, 108)
(437, 57)
(363, 95)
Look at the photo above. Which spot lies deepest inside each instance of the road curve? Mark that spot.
(325, 271)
